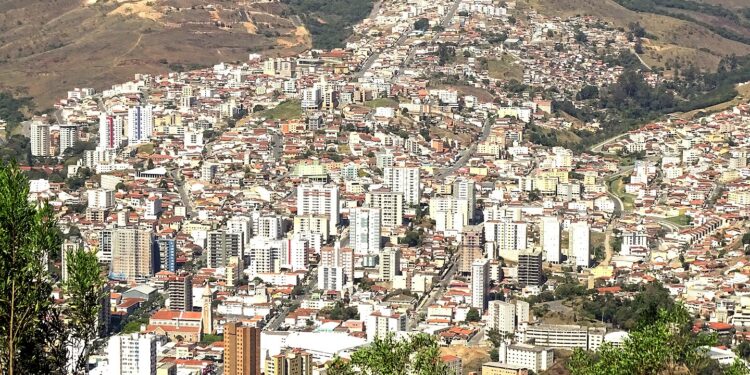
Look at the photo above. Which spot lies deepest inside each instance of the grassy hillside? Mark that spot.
(50, 46)
(689, 31)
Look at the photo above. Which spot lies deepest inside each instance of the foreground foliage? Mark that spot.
(665, 346)
(33, 334)
(418, 354)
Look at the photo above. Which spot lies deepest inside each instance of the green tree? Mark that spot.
(495, 337)
(29, 323)
(419, 354)
(85, 291)
(666, 345)
(473, 315)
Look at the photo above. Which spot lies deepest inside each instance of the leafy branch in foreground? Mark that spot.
(27, 236)
(85, 291)
(34, 337)
(418, 354)
(664, 346)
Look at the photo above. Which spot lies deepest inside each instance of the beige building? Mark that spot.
(293, 362)
(391, 205)
(497, 368)
(132, 254)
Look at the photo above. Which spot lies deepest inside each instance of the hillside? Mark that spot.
(50, 46)
(678, 31)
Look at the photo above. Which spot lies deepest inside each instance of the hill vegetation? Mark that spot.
(330, 21)
(631, 102)
(678, 32)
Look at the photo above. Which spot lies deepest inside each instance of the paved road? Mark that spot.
(278, 146)
(445, 22)
(449, 16)
(310, 284)
(598, 147)
(435, 294)
(466, 154)
(183, 194)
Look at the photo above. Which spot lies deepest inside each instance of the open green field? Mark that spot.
(382, 102)
(287, 110)
(617, 187)
(506, 67)
(681, 220)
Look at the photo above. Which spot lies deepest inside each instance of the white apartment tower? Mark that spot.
(140, 124)
(242, 224)
(551, 238)
(463, 190)
(311, 98)
(480, 282)
(578, 244)
(40, 139)
(133, 354)
(404, 180)
(268, 226)
(68, 137)
(318, 199)
(364, 230)
(502, 316)
(110, 132)
(509, 237)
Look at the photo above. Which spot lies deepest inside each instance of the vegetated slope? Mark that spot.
(681, 31)
(330, 21)
(50, 46)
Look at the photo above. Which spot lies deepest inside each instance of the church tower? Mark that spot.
(206, 312)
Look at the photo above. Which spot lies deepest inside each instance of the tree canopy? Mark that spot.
(665, 346)
(33, 335)
(418, 354)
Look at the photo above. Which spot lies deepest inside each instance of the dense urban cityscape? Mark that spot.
(469, 185)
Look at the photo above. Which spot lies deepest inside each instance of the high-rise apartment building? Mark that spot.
(464, 191)
(579, 243)
(242, 224)
(179, 288)
(405, 180)
(501, 316)
(364, 230)
(221, 245)
(167, 248)
(110, 132)
(480, 283)
(68, 137)
(132, 254)
(508, 236)
(132, 354)
(140, 124)
(70, 245)
(390, 263)
(530, 268)
(391, 205)
(100, 198)
(295, 252)
(472, 242)
(105, 245)
(318, 199)
(551, 238)
(40, 139)
(268, 226)
(241, 349)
